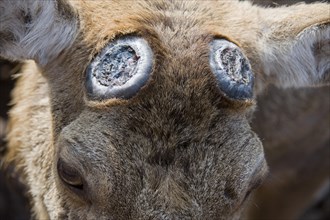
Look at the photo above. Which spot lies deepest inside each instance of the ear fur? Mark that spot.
(36, 29)
(294, 47)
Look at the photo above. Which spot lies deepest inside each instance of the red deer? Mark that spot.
(142, 109)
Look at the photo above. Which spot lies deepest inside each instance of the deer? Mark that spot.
(143, 109)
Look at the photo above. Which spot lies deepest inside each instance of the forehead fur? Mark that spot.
(103, 20)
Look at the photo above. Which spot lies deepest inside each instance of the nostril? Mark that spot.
(257, 178)
(69, 175)
(255, 186)
(230, 192)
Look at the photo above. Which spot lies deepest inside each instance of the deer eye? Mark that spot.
(69, 176)
(232, 70)
(120, 69)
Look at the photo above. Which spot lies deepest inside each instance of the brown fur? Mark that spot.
(179, 149)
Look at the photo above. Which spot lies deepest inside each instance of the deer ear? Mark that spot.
(294, 45)
(36, 29)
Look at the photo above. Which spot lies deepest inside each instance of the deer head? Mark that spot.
(150, 101)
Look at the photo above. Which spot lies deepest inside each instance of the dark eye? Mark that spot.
(69, 175)
(232, 69)
(120, 69)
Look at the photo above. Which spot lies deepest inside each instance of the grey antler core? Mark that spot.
(233, 62)
(117, 66)
(232, 70)
(120, 70)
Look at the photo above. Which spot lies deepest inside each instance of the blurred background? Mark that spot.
(13, 202)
